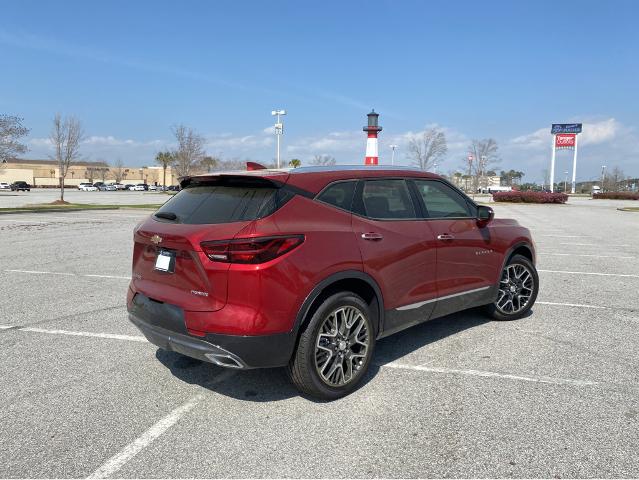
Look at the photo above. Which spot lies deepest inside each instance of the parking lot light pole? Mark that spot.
(393, 147)
(279, 131)
(603, 176)
(566, 182)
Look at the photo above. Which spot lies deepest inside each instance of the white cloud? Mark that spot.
(112, 141)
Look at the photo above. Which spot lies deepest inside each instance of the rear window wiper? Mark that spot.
(167, 215)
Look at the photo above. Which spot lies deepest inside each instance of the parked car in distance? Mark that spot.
(87, 187)
(173, 188)
(234, 270)
(128, 186)
(118, 186)
(153, 188)
(5, 186)
(20, 186)
(140, 187)
(109, 188)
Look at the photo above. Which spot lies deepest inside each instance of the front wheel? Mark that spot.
(335, 348)
(518, 288)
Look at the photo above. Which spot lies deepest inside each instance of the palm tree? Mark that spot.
(165, 159)
(295, 163)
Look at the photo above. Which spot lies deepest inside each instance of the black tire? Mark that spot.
(502, 314)
(302, 368)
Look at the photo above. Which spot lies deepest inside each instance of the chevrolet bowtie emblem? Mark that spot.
(156, 239)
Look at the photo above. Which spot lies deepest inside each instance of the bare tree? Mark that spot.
(323, 160)
(65, 137)
(117, 172)
(189, 152)
(208, 163)
(11, 130)
(613, 179)
(428, 148)
(232, 164)
(485, 154)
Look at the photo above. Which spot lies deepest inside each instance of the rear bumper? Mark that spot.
(163, 325)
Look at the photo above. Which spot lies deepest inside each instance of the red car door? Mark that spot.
(396, 251)
(467, 266)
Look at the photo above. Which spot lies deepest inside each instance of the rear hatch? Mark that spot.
(208, 208)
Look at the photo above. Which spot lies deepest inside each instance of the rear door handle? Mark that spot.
(372, 236)
(445, 236)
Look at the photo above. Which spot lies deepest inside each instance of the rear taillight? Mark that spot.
(250, 250)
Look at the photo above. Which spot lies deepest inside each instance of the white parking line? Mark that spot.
(627, 275)
(117, 461)
(563, 236)
(480, 373)
(41, 272)
(570, 305)
(113, 336)
(581, 255)
(69, 274)
(107, 276)
(591, 245)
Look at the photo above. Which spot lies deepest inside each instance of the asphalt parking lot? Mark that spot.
(553, 395)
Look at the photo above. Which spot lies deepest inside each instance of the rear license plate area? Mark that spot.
(165, 261)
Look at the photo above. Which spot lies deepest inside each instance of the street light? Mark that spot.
(393, 147)
(603, 176)
(565, 181)
(279, 131)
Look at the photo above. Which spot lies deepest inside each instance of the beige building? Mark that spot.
(468, 183)
(45, 173)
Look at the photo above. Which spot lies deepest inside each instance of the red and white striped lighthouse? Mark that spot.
(372, 155)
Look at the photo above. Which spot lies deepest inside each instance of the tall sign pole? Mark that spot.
(574, 166)
(564, 137)
(552, 164)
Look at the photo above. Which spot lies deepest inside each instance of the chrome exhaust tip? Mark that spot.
(226, 360)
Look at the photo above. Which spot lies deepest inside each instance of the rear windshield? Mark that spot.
(200, 204)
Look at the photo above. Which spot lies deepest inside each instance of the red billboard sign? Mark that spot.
(565, 140)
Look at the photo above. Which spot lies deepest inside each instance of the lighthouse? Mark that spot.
(372, 156)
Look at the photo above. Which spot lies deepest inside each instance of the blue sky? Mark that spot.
(130, 70)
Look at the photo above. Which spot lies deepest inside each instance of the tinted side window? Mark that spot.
(441, 200)
(339, 194)
(387, 199)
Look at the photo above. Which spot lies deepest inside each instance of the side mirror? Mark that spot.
(484, 215)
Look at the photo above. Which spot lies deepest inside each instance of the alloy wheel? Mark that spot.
(342, 346)
(515, 289)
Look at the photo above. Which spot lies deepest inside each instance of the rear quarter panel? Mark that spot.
(267, 297)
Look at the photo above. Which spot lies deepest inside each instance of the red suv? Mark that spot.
(307, 268)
